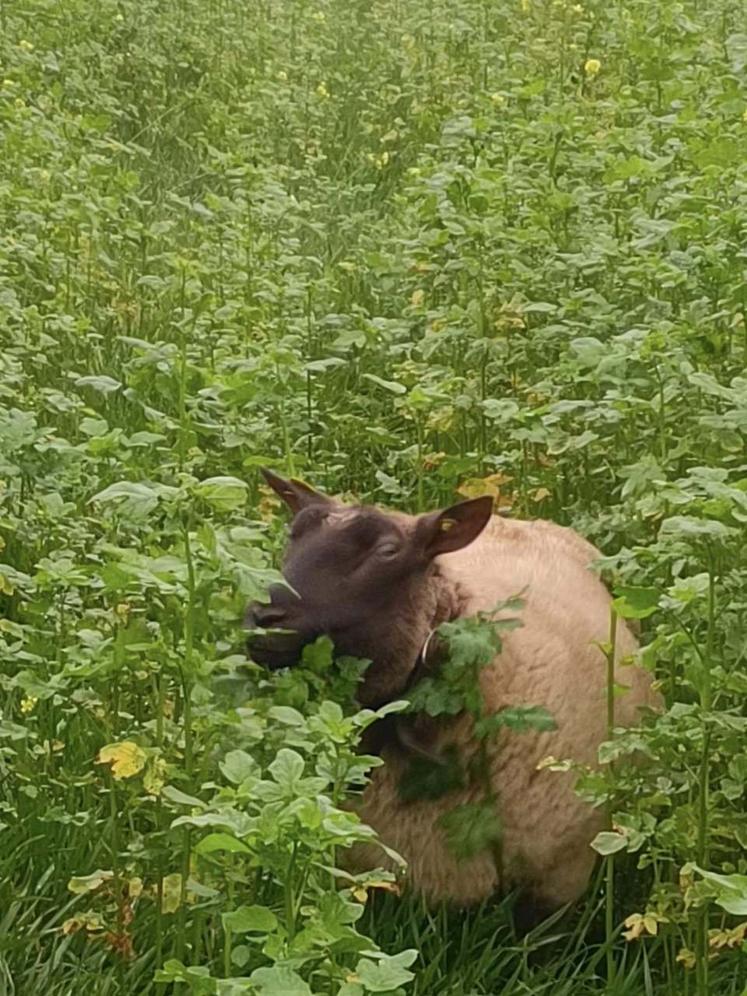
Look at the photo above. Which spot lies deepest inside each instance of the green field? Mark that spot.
(407, 250)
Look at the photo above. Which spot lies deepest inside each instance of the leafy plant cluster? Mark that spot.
(407, 249)
(453, 688)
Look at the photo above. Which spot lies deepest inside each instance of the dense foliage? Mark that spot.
(405, 248)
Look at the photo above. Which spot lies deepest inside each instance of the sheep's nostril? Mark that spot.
(266, 616)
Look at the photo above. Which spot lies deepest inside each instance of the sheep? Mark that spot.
(379, 584)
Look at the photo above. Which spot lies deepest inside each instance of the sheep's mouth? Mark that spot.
(277, 648)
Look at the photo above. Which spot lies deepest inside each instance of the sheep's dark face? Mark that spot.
(360, 576)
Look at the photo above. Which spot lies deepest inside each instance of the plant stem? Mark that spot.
(612, 652)
(290, 903)
(227, 933)
(703, 857)
(187, 681)
(183, 418)
(609, 908)
(117, 872)
(421, 492)
(187, 668)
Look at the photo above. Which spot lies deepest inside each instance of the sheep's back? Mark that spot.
(552, 660)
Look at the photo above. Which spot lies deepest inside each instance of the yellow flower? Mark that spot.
(577, 8)
(19, 102)
(28, 704)
(634, 923)
(640, 923)
(498, 99)
(592, 67)
(26, 45)
(686, 957)
(734, 938)
(525, 5)
(282, 75)
(135, 887)
(171, 893)
(8, 84)
(379, 161)
(154, 778)
(418, 296)
(319, 16)
(90, 922)
(322, 91)
(126, 759)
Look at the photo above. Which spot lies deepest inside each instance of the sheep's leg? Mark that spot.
(529, 912)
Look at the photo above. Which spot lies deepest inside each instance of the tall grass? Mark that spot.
(407, 249)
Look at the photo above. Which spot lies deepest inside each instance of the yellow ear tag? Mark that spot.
(447, 524)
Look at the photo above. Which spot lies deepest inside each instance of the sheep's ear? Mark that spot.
(453, 528)
(294, 493)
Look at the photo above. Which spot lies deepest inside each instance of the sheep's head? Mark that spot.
(362, 576)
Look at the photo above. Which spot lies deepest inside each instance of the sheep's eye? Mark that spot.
(388, 550)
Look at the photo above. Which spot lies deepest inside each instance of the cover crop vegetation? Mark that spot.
(404, 248)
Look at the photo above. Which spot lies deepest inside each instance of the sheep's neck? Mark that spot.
(448, 603)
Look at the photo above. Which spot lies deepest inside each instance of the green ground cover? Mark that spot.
(406, 249)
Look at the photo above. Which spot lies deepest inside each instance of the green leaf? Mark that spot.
(197, 976)
(386, 974)
(500, 409)
(389, 385)
(518, 718)
(237, 766)
(688, 527)
(130, 497)
(241, 955)
(221, 842)
(473, 641)
(322, 366)
(471, 828)
(287, 715)
(319, 655)
(100, 382)
(250, 919)
(636, 603)
(225, 494)
(12, 731)
(287, 768)
(730, 891)
(93, 427)
(279, 981)
(736, 47)
(539, 307)
(436, 698)
(350, 989)
(426, 778)
(176, 795)
(607, 842)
